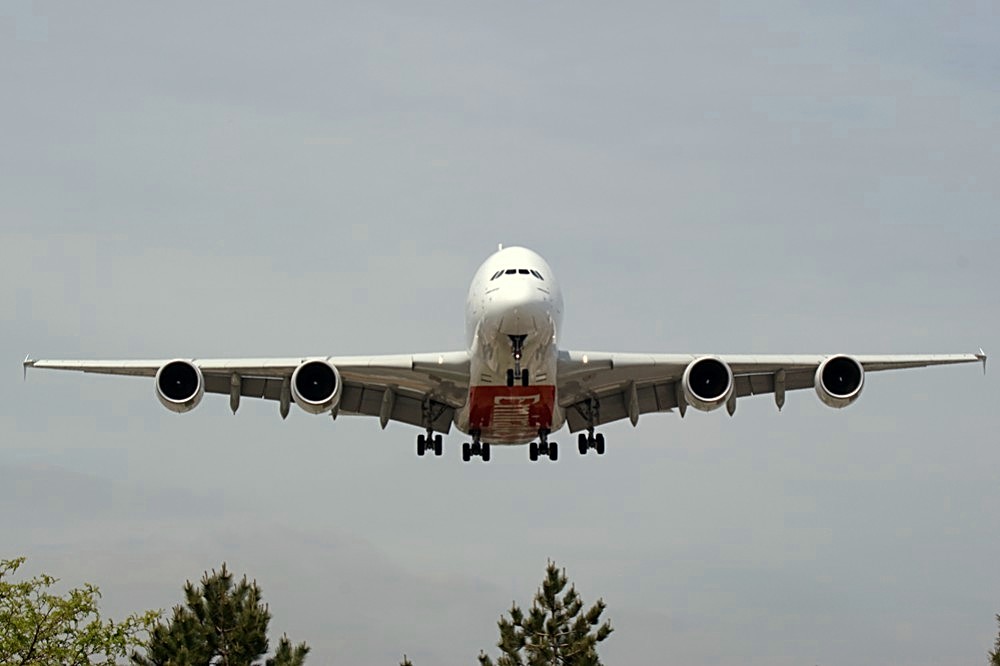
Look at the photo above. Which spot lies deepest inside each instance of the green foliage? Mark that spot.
(995, 655)
(556, 631)
(39, 627)
(220, 623)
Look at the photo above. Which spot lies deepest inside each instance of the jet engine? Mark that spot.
(180, 386)
(316, 386)
(707, 383)
(839, 380)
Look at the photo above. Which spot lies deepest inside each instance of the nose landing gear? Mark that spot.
(517, 349)
(512, 375)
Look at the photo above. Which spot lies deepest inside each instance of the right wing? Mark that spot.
(600, 387)
(418, 389)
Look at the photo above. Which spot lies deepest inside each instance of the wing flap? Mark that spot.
(761, 384)
(614, 405)
(357, 399)
(405, 408)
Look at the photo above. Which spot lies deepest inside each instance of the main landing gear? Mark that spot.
(543, 447)
(588, 441)
(430, 441)
(517, 349)
(475, 448)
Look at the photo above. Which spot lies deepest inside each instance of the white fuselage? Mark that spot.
(513, 294)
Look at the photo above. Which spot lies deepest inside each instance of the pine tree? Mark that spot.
(995, 655)
(221, 623)
(557, 631)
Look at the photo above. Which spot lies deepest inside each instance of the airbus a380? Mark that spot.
(513, 384)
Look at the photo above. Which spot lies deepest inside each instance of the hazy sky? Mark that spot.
(248, 179)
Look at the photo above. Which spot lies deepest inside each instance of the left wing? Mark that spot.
(419, 389)
(599, 387)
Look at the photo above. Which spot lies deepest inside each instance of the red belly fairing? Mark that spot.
(511, 413)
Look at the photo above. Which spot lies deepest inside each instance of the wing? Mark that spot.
(419, 389)
(598, 387)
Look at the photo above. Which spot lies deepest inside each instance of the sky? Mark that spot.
(265, 179)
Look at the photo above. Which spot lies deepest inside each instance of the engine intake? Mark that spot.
(707, 383)
(316, 386)
(180, 385)
(839, 380)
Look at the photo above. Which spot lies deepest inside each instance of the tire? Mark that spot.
(582, 444)
(438, 445)
(466, 453)
(421, 445)
(486, 453)
(533, 451)
(510, 376)
(553, 451)
(599, 444)
(524, 377)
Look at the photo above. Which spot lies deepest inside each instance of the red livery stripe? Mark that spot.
(511, 411)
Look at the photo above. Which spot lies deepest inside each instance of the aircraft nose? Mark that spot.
(521, 309)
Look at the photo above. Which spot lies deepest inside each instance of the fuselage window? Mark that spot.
(537, 275)
(510, 271)
(523, 271)
(496, 275)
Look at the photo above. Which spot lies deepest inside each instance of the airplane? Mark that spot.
(512, 385)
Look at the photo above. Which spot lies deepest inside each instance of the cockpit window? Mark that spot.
(517, 271)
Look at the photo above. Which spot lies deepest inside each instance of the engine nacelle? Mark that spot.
(707, 383)
(316, 386)
(839, 380)
(180, 385)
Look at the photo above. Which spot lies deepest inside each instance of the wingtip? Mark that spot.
(28, 362)
(982, 357)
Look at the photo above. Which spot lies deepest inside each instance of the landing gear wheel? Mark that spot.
(438, 445)
(533, 451)
(599, 444)
(582, 444)
(421, 445)
(553, 451)
(485, 453)
(524, 377)
(466, 452)
(510, 377)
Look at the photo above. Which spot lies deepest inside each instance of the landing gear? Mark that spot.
(431, 442)
(543, 447)
(475, 448)
(516, 350)
(590, 410)
(511, 377)
(588, 441)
